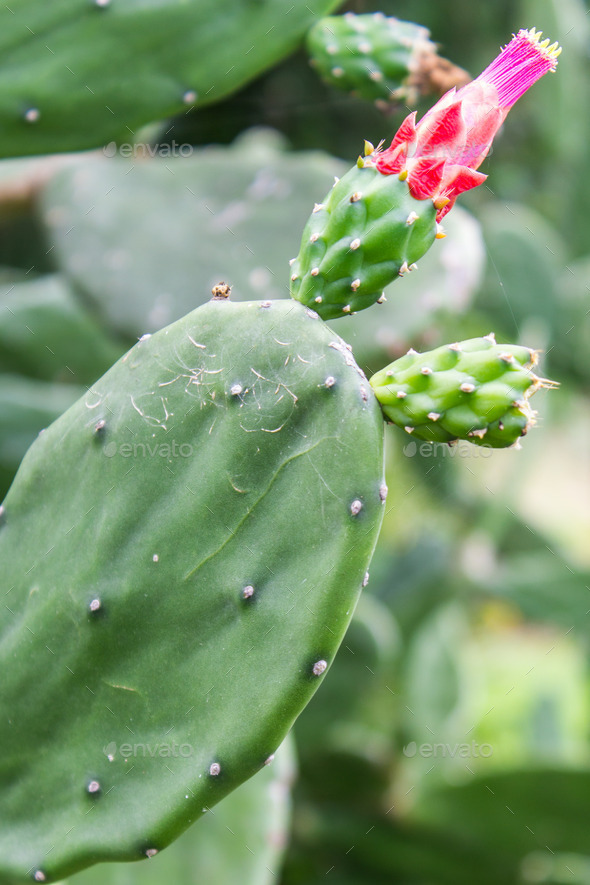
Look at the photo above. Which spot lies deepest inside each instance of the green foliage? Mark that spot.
(145, 241)
(371, 56)
(474, 390)
(368, 231)
(237, 426)
(26, 407)
(75, 75)
(486, 808)
(45, 333)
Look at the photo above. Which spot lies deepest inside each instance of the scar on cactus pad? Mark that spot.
(385, 213)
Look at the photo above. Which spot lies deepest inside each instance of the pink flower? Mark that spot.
(440, 156)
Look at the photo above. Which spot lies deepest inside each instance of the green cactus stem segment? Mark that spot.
(366, 233)
(475, 390)
(168, 617)
(379, 58)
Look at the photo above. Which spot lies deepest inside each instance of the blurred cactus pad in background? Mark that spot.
(249, 633)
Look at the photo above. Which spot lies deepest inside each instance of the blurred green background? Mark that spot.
(450, 743)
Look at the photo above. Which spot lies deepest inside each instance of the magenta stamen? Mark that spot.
(520, 64)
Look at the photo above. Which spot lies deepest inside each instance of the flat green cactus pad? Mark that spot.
(76, 73)
(187, 544)
(241, 840)
(218, 214)
(47, 334)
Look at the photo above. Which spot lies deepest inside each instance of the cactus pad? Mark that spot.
(376, 57)
(368, 231)
(76, 74)
(475, 390)
(219, 215)
(46, 333)
(166, 621)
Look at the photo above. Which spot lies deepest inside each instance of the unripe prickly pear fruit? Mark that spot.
(368, 231)
(379, 58)
(381, 217)
(475, 390)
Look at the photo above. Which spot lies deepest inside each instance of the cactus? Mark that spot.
(45, 333)
(166, 620)
(170, 56)
(437, 298)
(27, 406)
(366, 233)
(220, 215)
(240, 840)
(390, 204)
(475, 390)
(379, 58)
(193, 588)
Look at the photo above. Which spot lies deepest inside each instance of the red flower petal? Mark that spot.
(485, 120)
(392, 161)
(425, 177)
(457, 179)
(406, 132)
(442, 212)
(440, 131)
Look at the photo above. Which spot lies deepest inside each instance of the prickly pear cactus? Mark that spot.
(47, 334)
(26, 407)
(366, 233)
(171, 56)
(181, 554)
(241, 840)
(219, 215)
(475, 390)
(376, 57)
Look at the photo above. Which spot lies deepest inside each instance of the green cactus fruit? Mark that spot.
(437, 298)
(108, 68)
(366, 233)
(166, 620)
(379, 58)
(476, 390)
